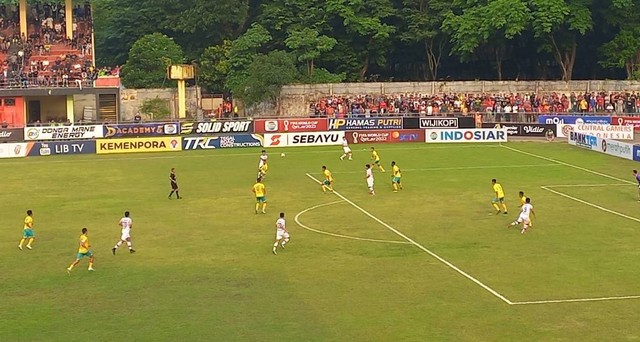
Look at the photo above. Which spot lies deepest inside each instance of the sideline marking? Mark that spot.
(567, 164)
(576, 300)
(582, 185)
(297, 220)
(590, 204)
(397, 232)
(467, 168)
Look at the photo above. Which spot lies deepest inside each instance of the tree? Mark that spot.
(266, 76)
(308, 45)
(214, 66)
(148, 60)
(242, 53)
(363, 28)
(422, 22)
(486, 25)
(623, 51)
(559, 23)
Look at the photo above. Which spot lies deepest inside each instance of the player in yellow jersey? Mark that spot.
(499, 197)
(83, 251)
(523, 201)
(395, 180)
(262, 169)
(260, 191)
(375, 158)
(27, 231)
(327, 184)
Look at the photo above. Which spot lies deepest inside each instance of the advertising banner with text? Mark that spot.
(626, 120)
(63, 147)
(303, 139)
(480, 135)
(216, 127)
(524, 130)
(611, 147)
(573, 119)
(141, 130)
(136, 145)
(438, 122)
(356, 124)
(224, 141)
(64, 132)
(380, 137)
(11, 134)
(291, 125)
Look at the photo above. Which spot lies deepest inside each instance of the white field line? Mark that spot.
(424, 249)
(582, 185)
(297, 220)
(468, 168)
(576, 300)
(567, 164)
(177, 154)
(591, 204)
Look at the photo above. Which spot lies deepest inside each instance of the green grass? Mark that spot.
(204, 269)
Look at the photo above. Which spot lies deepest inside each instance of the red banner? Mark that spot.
(627, 120)
(381, 137)
(291, 125)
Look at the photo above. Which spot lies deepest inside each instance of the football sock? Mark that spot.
(496, 206)
(275, 244)
(324, 188)
(118, 244)
(264, 207)
(504, 206)
(171, 194)
(71, 266)
(90, 264)
(395, 187)
(342, 156)
(285, 242)
(129, 245)
(381, 168)
(257, 207)
(30, 242)
(177, 194)
(22, 242)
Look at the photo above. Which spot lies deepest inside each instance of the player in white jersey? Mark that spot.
(346, 149)
(369, 177)
(282, 234)
(125, 237)
(262, 164)
(525, 216)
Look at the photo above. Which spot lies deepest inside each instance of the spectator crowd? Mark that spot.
(488, 104)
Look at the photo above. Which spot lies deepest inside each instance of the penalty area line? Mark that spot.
(421, 247)
(297, 220)
(575, 300)
(591, 204)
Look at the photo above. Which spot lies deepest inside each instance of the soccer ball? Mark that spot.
(282, 155)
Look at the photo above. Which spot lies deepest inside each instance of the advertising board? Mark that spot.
(214, 127)
(611, 147)
(573, 119)
(438, 122)
(11, 134)
(303, 139)
(355, 124)
(135, 145)
(225, 141)
(64, 132)
(141, 129)
(479, 135)
(524, 130)
(626, 120)
(15, 150)
(606, 131)
(378, 137)
(62, 147)
(586, 141)
(636, 153)
(291, 125)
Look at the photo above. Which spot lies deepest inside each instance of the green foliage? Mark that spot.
(242, 53)
(155, 109)
(265, 77)
(308, 45)
(321, 75)
(148, 60)
(214, 66)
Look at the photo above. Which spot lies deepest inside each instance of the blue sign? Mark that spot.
(63, 147)
(224, 141)
(583, 140)
(572, 120)
(636, 153)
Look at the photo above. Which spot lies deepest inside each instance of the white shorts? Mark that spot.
(524, 219)
(370, 184)
(346, 150)
(126, 233)
(281, 234)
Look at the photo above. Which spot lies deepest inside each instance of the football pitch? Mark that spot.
(430, 263)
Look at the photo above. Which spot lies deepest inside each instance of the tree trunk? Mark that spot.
(566, 58)
(364, 68)
(499, 54)
(434, 55)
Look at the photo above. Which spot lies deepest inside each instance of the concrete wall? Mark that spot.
(82, 101)
(295, 99)
(51, 107)
(132, 99)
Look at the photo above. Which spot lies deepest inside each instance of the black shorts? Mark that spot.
(174, 186)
